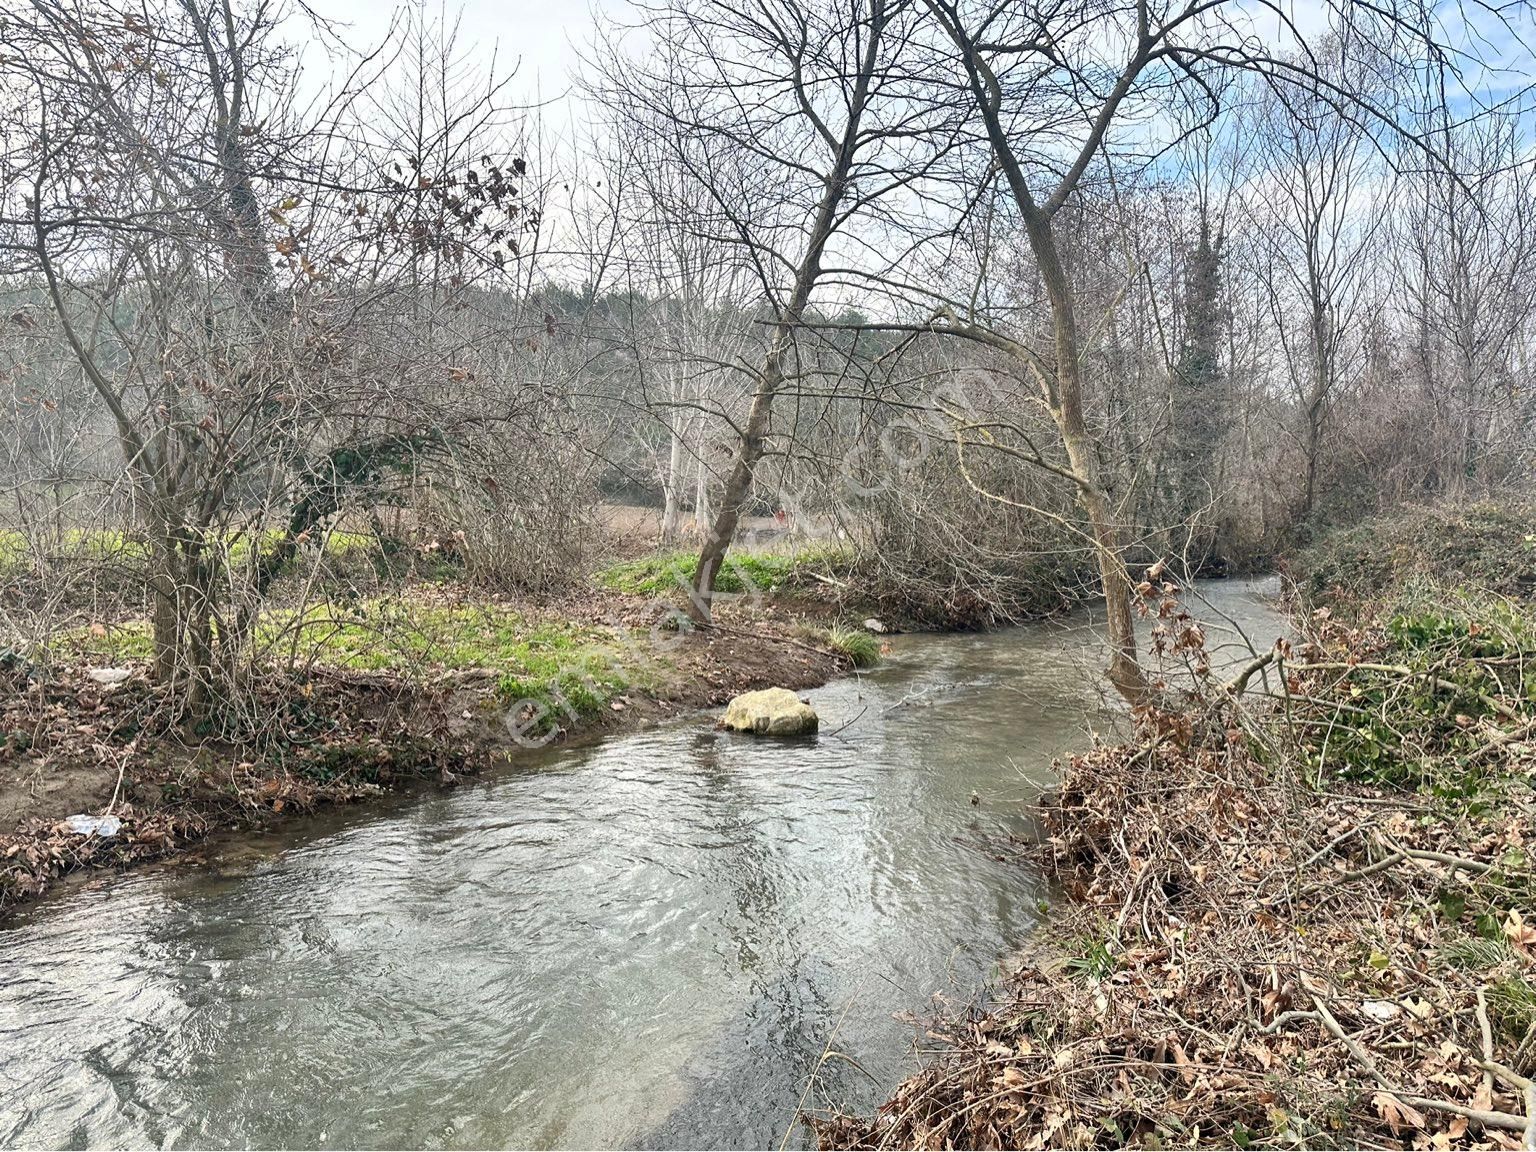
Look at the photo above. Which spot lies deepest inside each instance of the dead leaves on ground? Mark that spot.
(1213, 896)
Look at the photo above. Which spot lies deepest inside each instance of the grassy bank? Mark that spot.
(349, 692)
(1298, 913)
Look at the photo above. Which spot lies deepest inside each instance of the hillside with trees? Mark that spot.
(365, 423)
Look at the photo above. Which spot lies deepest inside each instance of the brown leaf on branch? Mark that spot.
(1397, 1114)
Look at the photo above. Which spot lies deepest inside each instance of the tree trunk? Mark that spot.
(1065, 399)
(701, 513)
(1309, 480)
(182, 586)
(165, 619)
(671, 514)
(197, 618)
(1466, 471)
(738, 485)
(1124, 670)
(754, 436)
(1061, 383)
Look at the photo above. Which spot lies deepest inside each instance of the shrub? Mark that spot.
(1484, 546)
(1409, 698)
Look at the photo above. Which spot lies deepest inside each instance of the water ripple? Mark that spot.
(646, 942)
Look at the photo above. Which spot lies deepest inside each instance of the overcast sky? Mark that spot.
(541, 36)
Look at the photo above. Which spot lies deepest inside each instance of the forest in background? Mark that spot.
(1000, 301)
(362, 426)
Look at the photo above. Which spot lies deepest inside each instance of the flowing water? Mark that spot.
(646, 942)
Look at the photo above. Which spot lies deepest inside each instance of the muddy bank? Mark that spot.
(333, 736)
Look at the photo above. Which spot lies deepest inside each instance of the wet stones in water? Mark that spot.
(771, 712)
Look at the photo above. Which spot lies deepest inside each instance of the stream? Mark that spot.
(644, 942)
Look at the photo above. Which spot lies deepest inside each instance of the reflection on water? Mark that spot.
(648, 942)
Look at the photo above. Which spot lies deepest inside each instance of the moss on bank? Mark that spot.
(667, 573)
(420, 635)
(909, 593)
(551, 660)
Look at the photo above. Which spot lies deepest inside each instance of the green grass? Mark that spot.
(555, 664)
(337, 544)
(1444, 592)
(401, 634)
(1090, 958)
(862, 647)
(667, 572)
(95, 545)
(1512, 1006)
(16, 548)
(114, 644)
(564, 667)
(1474, 953)
(13, 549)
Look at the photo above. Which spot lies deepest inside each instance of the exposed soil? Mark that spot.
(31, 787)
(71, 745)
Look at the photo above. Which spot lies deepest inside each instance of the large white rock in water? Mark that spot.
(771, 712)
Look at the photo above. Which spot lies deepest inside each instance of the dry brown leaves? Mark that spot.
(40, 851)
(1250, 967)
(333, 745)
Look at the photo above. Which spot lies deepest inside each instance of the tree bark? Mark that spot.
(1062, 381)
(1065, 401)
(165, 620)
(754, 436)
(671, 513)
(738, 484)
(701, 512)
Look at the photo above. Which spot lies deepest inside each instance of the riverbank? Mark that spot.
(428, 683)
(374, 665)
(681, 915)
(1298, 913)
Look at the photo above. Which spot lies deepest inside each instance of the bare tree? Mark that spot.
(690, 337)
(138, 207)
(215, 257)
(1318, 218)
(1070, 94)
(1021, 69)
(1467, 259)
(785, 112)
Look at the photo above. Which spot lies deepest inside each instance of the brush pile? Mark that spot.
(1277, 934)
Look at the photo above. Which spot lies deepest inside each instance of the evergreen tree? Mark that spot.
(1198, 390)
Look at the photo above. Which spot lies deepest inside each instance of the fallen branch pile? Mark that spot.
(1264, 949)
